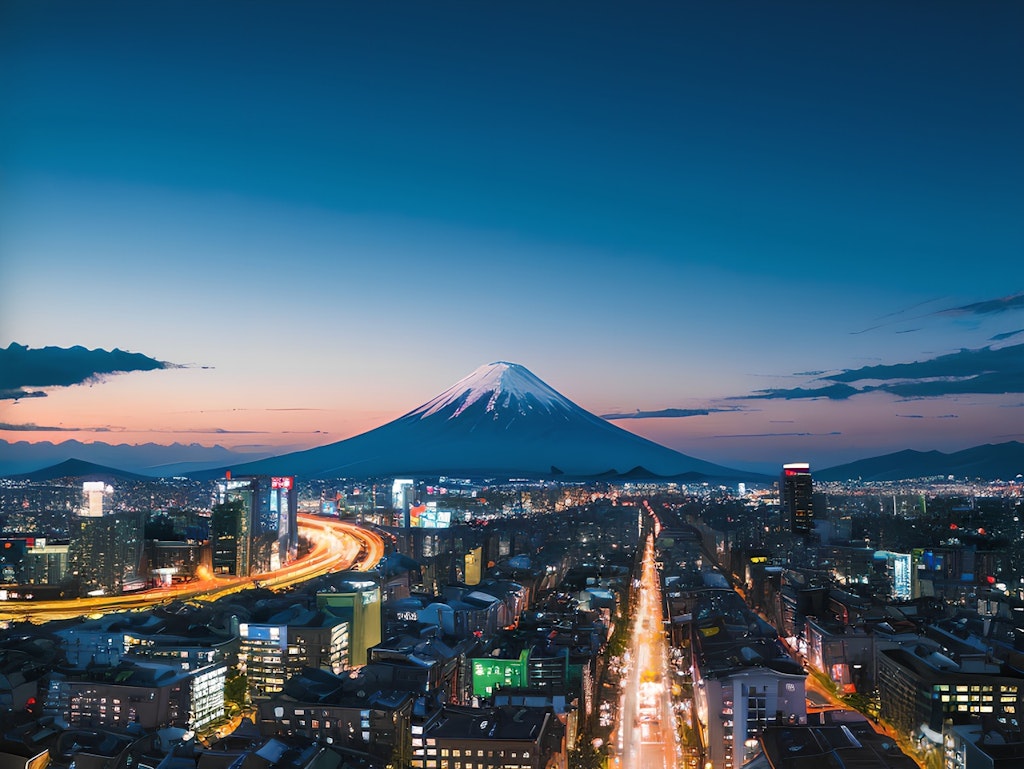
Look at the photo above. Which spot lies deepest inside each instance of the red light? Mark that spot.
(990, 579)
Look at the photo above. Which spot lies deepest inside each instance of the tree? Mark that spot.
(236, 691)
(586, 756)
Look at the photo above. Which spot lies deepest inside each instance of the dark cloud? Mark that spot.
(988, 307)
(836, 392)
(984, 371)
(22, 367)
(985, 365)
(207, 431)
(666, 414)
(1006, 335)
(779, 435)
(31, 428)
(17, 393)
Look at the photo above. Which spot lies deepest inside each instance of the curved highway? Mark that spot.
(337, 546)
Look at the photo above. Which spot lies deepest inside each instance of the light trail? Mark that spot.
(337, 546)
(647, 736)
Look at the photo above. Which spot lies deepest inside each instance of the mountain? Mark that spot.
(989, 462)
(502, 421)
(82, 470)
(147, 459)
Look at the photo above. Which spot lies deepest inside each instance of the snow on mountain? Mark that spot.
(503, 385)
(500, 421)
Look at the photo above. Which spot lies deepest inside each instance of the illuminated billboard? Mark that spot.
(489, 673)
(416, 515)
(901, 587)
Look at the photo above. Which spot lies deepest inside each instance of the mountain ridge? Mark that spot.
(990, 461)
(500, 420)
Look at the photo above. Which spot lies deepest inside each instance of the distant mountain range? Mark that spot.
(149, 459)
(1000, 461)
(78, 468)
(500, 421)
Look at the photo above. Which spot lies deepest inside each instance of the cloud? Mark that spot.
(17, 393)
(988, 307)
(984, 371)
(923, 416)
(779, 435)
(666, 413)
(22, 367)
(207, 431)
(31, 428)
(233, 410)
(835, 392)
(1005, 335)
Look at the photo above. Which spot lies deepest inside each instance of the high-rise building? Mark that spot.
(403, 496)
(93, 495)
(46, 563)
(105, 551)
(264, 534)
(796, 498)
(357, 601)
(272, 652)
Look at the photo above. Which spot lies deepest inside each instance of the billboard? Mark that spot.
(901, 587)
(489, 673)
(473, 560)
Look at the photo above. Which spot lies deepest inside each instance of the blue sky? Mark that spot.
(345, 207)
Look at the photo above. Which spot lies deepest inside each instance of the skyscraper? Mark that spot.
(796, 493)
(264, 536)
(106, 546)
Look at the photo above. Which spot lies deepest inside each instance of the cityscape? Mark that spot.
(714, 317)
(625, 619)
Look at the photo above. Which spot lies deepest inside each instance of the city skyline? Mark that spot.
(681, 217)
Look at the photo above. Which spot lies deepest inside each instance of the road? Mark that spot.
(337, 546)
(647, 736)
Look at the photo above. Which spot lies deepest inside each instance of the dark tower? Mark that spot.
(796, 492)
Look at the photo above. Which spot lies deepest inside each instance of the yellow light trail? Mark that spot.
(337, 546)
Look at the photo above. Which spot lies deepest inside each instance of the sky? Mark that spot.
(306, 219)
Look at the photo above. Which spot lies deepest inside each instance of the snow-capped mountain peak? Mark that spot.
(501, 385)
(500, 421)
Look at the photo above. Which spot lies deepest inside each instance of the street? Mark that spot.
(647, 736)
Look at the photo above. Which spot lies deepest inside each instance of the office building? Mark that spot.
(151, 696)
(920, 688)
(261, 534)
(319, 705)
(744, 681)
(105, 552)
(796, 492)
(289, 642)
(403, 497)
(481, 738)
(987, 745)
(357, 601)
(46, 563)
